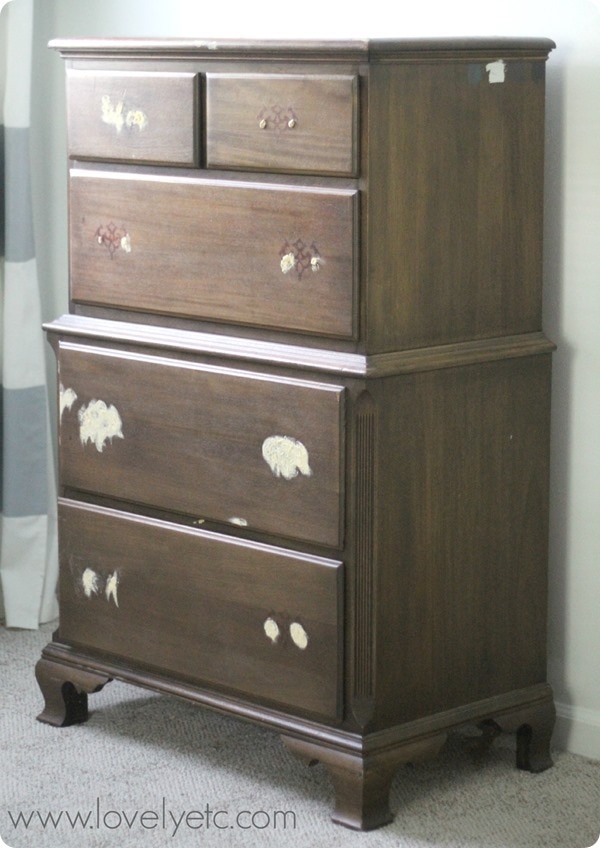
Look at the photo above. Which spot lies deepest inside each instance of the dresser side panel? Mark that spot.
(461, 524)
(455, 178)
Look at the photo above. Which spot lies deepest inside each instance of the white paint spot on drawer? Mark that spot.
(286, 457)
(271, 629)
(115, 115)
(67, 399)
(496, 71)
(287, 262)
(111, 588)
(299, 635)
(89, 581)
(99, 423)
(240, 522)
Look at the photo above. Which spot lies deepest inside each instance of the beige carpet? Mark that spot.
(143, 763)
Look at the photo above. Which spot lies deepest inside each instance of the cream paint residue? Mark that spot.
(111, 588)
(299, 635)
(271, 629)
(89, 581)
(116, 116)
(113, 115)
(67, 399)
(287, 262)
(240, 522)
(99, 423)
(286, 457)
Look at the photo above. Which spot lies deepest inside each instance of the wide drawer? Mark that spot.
(139, 116)
(282, 122)
(216, 443)
(249, 617)
(266, 255)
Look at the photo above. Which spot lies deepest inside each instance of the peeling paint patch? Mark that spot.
(299, 635)
(99, 423)
(126, 243)
(67, 399)
(496, 71)
(286, 457)
(287, 262)
(111, 588)
(271, 629)
(136, 118)
(89, 581)
(115, 115)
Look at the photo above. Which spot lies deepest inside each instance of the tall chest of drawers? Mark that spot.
(304, 393)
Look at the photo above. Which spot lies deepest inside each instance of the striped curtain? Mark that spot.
(28, 559)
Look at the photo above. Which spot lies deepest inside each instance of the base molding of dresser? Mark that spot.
(361, 766)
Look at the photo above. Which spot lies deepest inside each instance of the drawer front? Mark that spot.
(270, 256)
(143, 117)
(280, 122)
(215, 443)
(253, 618)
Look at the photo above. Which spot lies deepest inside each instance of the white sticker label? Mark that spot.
(286, 457)
(496, 70)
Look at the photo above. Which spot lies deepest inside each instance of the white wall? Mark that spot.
(572, 304)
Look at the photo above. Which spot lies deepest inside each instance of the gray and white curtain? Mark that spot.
(28, 517)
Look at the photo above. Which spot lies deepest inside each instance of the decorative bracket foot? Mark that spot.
(65, 690)
(533, 725)
(362, 782)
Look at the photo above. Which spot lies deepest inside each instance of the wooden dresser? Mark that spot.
(304, 393)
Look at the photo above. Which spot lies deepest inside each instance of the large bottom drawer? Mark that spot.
(249, 617)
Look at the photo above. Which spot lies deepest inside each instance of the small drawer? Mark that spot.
(251, 618)
(282, 122)
(135, 116)
(215, 443)
(266, 255)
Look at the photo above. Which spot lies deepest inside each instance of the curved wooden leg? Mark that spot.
(65, 690)
(362, 782)
(533, 725)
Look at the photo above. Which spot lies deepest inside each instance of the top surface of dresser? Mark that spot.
(371, 196)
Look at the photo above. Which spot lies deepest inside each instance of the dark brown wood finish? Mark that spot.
(461, 533)
(169, 244)
(138, 116)
(398, 516)
(282, 122)
(455, 185)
